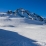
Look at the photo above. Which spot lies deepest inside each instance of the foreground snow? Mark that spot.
(35, 32)
(20, 33)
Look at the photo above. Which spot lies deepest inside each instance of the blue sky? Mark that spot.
(37, 6)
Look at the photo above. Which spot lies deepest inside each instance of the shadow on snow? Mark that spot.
(8, 38)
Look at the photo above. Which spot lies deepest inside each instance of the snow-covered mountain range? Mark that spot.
(25, 14)
(22, 28)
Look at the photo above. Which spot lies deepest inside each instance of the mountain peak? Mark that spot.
(22, 13)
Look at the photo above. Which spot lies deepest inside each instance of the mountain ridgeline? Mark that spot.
(25, 13)
(22, 13)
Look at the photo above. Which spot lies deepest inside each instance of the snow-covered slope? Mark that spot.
(21, 33)
(32, 32)
(5, 21)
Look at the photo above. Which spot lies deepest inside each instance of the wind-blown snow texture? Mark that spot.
(21, 31)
